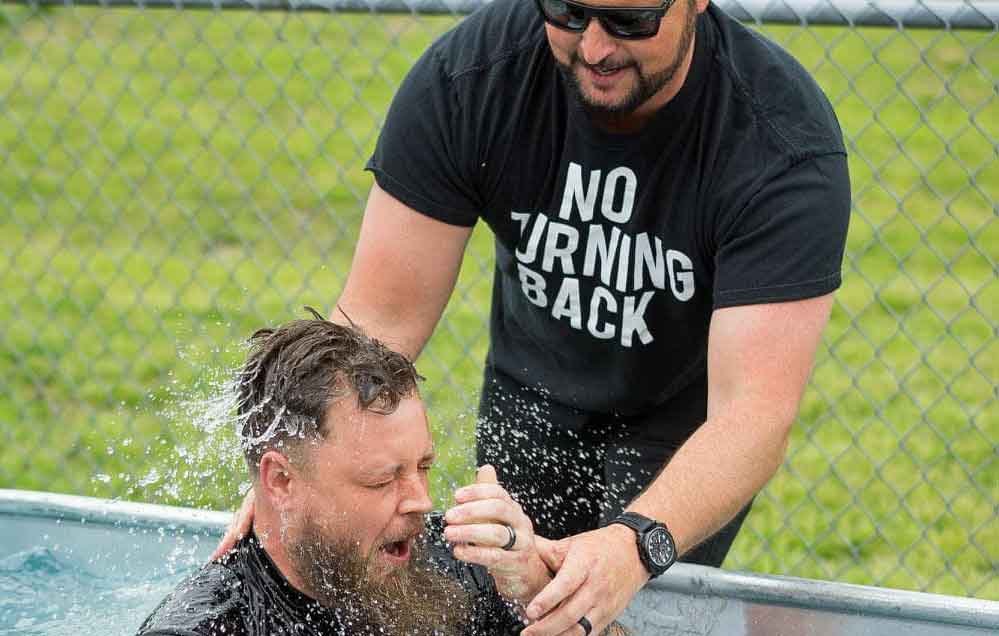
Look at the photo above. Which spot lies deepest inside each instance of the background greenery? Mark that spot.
(170, 181)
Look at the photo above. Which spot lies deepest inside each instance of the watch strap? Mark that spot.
(639, 523)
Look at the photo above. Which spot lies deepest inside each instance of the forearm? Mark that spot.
(759, 358)
(404, 268)
(714, 475)
(392, 323)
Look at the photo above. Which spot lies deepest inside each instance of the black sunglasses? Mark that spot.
(627, 23)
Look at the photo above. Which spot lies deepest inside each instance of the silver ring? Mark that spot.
(585, 624)
(513, 537)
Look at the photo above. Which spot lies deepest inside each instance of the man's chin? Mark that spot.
(388, 560)
(612, 94)
(394, 592)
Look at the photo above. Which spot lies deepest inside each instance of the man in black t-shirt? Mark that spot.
(338, 446)
(669, 197)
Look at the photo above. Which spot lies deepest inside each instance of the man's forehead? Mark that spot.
(374, 439)
(346, 417)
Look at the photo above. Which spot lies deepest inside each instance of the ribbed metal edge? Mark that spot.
(832, 597)
(111, 513)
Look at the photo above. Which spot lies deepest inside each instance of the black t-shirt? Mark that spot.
(612, 250)
(244, 594)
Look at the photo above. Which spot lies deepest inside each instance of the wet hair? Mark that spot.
(296, 371)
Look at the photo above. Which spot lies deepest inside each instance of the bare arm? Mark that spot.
(759, 359)
(404, 270)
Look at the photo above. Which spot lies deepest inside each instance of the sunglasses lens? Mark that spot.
(564, 15)
(631, 24)
(621, 23)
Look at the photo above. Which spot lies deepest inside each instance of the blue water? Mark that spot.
(47, 592)
(73, 578)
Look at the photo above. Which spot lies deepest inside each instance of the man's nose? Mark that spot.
(595, 44)
(416, 496)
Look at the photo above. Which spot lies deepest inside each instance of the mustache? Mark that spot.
(413, 528)
(603, 66)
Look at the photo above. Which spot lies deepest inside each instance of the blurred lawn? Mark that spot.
(171, 181)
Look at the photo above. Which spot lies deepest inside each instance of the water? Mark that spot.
(47, 593)
(66, 578)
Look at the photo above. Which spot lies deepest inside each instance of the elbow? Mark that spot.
(781, 441)
(777, 438)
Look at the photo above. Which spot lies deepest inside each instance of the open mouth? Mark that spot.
(605, 76)
(397, 550)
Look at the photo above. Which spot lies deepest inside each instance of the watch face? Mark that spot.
(660, 547)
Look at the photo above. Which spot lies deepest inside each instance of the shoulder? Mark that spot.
(500, 35)
(208, 603)
(783, 95)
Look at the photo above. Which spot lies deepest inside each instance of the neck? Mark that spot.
(267, 528)
(638, 118)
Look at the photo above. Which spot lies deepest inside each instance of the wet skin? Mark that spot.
(366, 483)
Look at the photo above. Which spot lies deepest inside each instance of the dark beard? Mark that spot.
(648, 85)
(413, 600)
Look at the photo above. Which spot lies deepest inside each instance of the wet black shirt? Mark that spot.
(613, 250)
(244, 594)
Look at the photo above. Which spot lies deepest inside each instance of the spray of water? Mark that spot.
(555, 472)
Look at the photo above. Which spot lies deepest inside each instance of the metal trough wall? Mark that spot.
(689, 600)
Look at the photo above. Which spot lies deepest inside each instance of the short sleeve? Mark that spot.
(422, 157)
(787, 243)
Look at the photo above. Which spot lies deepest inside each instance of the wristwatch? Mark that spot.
(656, 547)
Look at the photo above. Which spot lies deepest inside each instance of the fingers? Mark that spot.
(484, 534)
(564, 621)
(562, 590)
(240, 526)
(486, 474)
(481, 491)
(597, 580)
(488, 557)
(486, 486)
(551, 552)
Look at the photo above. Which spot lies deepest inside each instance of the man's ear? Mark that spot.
(277, 481)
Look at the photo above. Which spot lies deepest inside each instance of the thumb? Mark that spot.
(552, 552)
(486, 474)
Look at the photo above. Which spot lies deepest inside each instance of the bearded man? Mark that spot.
(339, 449)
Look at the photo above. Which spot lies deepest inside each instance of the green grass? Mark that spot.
(171, 181)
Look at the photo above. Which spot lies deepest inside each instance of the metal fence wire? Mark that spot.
(173, 178)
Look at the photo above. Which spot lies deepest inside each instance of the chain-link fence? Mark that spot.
(172, 179)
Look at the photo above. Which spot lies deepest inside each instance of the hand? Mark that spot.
(477, 528)
(599, 573)
(238, 528)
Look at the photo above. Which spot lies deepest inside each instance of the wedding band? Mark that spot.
(585, 624)
(513, 538)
